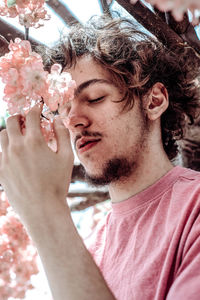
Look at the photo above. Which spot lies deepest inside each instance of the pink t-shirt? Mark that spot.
(148, 246)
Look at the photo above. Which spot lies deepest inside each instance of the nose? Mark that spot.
(77, 118)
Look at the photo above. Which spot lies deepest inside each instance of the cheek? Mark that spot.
(105, 121)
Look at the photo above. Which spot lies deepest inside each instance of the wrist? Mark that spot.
(49, 216)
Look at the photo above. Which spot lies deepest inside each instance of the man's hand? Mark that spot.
(30, 172)
(36, 181)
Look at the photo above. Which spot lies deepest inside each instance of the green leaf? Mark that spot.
(2, 122)
(11, 3)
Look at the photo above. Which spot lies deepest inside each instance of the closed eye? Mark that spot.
(96, 100)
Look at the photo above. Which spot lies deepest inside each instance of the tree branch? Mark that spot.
(77, 174)
(3, 47)
(160, 14)
(9, 32)
(62, 11)
(155, 25)
(88, 199)
(178, 27)
(185, 29)
(105, 7)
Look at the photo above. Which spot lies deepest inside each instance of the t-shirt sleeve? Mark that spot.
(186, 284)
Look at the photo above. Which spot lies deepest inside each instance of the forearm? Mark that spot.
(71, 272)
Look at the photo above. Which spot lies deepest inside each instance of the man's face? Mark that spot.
(108, 142)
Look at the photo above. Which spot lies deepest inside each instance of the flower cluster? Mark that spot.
(27, 83)
(30, 12)
(18, 255)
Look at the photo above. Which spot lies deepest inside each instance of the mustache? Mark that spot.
(86, 133)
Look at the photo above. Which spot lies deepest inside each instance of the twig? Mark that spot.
(26, 35)
(62, 11)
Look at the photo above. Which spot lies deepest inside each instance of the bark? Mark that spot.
(10, 33)
(191, 146)
(105, 7)
(62, 11)
(3, 46)
(86, 199)
(155, 24)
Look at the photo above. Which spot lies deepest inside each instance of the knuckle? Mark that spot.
(3, 132)
(11, 119)
(33, 113)
(33, 141)
(15, 148)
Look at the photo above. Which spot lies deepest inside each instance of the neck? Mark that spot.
(147, 172)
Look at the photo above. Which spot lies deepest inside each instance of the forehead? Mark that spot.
(87, 69)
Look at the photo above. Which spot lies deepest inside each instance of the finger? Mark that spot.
(33, 121)
(13, 127)
(4, 141)
(62, 136)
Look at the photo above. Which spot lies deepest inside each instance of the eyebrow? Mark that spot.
(88, 83)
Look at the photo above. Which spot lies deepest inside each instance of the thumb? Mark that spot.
(62, 136)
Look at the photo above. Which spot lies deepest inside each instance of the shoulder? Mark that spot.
(181, 200)
(185, 199)
(189, 174)
(188, 182)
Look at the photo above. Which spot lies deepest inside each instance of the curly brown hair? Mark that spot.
(137, 61)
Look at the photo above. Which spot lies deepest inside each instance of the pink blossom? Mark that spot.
(33, 76)
(5, 64)
(61, 87)
(8, 12)
(17, 255)
(26, 81)
(30, 12)
(27, 3)
(16, 102)
(23, 46)
(11, 77)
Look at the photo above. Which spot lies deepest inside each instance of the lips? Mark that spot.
(83, 142)
(83, 145)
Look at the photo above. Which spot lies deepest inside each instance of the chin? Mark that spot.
(94, 168)
(92, 172)
(112, 171)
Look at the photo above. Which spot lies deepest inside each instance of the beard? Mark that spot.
(113, 170)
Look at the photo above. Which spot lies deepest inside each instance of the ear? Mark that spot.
(157, 101)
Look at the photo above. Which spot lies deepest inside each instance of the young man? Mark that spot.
(130, 106)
